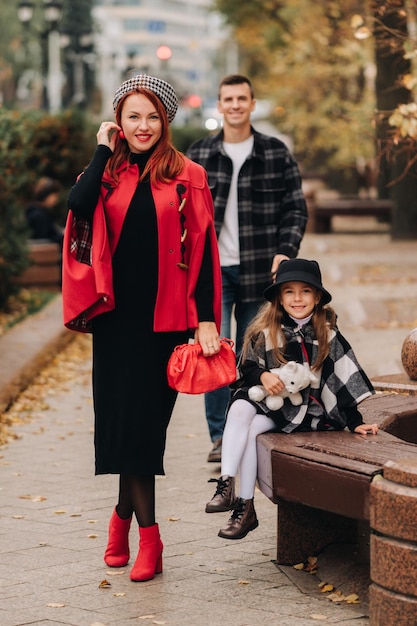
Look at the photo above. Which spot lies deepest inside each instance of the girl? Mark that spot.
(294, 325)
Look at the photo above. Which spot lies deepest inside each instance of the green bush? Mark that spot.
(34, 144)
(184, 136)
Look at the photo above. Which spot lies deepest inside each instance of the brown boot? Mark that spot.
(243, 520)
(224, 499)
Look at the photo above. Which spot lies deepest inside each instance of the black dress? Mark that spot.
(132, 400)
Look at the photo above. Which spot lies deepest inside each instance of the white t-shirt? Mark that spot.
(229, 233)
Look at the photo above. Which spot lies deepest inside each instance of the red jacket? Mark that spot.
(87, 279)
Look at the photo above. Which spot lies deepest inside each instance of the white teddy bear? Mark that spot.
(294, 376)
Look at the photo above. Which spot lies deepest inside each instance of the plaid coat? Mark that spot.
(272, 210)
(328, 404)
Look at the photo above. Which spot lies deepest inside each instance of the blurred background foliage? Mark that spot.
(340, 76)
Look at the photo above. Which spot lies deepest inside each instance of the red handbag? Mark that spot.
(189, 371)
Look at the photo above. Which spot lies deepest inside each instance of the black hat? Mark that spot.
(300, 270)
(159, 87)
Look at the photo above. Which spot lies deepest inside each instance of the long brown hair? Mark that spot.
(165, 163)
(270, 316)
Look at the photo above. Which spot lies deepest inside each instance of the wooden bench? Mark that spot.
(321, 481)
(45, 269)
(322, 211)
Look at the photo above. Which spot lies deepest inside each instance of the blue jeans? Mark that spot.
(216, 401)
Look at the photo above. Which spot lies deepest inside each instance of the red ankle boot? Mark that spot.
(117, 552)
(149, 559)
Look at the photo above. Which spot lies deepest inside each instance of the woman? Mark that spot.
(295, 324)
(141, 272)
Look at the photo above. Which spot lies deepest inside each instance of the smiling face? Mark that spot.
(298, 299)
(236, 104)
(141, 123)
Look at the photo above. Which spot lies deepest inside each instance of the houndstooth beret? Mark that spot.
(159, 87)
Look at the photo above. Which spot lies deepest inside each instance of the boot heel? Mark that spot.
(158, 568)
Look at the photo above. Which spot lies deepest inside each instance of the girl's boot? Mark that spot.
(224, 499)
(243, 520)
(117, 551)
(149, 559)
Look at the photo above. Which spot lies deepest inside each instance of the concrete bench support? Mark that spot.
(393, 519)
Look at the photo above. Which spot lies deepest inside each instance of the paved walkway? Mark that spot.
(54, 512)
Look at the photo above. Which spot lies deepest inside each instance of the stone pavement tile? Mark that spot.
(53, 552)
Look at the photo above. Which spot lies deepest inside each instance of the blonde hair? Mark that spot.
(270, 316)
(165, 163)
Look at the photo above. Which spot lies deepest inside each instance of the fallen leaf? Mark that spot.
(299, 566)
(119, 594)
(243, 582)
(326, 587)
(55, 605)
(60, 512)
(173, 519)
(352, 599)
(146, 616)
(18, 517)
(33, 498)
(104, 583)
(336, 597)
(116, 573)
(92, 536)
(318, 617)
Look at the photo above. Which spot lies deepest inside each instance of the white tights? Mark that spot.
(243, 424)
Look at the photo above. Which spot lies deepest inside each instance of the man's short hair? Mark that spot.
(236, 79)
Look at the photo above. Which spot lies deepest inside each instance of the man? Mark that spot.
(260, 218)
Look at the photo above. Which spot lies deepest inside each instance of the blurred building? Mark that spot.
(183, 41)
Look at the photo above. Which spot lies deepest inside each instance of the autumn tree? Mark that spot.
(304, 57)
(395, 50)
(328, 67)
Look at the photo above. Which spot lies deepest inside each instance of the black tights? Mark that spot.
(137, 495)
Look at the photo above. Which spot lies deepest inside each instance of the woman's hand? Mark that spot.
(207, 336)
(107, 134)
(364, 429)
(272, 383)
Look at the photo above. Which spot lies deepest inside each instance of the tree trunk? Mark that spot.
(390, 31)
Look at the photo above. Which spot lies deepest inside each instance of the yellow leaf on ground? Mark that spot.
(318, 617)
(326, 587)
(55, 605)
(104, 583)
(173, 519)
(244, 582)
(336, 597)
(352, 599)
(299, 566)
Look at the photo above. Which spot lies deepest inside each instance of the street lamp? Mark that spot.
(52, 11)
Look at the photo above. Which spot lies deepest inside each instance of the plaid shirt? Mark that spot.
(271, 206)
